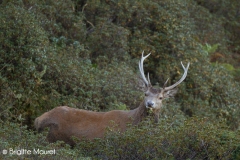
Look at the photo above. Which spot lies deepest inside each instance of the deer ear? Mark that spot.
(170, 93)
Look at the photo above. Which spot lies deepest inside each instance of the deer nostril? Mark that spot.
(150, 104)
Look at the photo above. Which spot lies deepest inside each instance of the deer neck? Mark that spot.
(139, 113)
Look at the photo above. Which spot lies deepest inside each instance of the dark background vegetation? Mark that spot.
(84, 54)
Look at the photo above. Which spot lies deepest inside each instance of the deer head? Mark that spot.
(154, 97)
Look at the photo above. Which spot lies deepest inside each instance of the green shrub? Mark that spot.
(225, 19)
(195, 138)
(41, 70)
(23, 59)
(16, 140)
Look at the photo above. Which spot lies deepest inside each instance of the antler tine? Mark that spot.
(165, 83)
(147, 82)
(180, 81)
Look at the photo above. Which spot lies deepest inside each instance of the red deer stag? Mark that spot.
(65, 122)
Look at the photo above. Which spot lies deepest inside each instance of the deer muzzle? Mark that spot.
(150, 104)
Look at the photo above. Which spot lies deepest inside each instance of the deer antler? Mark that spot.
(147, 82)
(180, 81)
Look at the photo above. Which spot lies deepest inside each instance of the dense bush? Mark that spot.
(55, 71)
(194, 138)
(24, 45)
(84, 54)
(227, 14)
(15, 139)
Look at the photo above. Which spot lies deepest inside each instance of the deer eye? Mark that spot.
(146, 94)
(160, 97)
